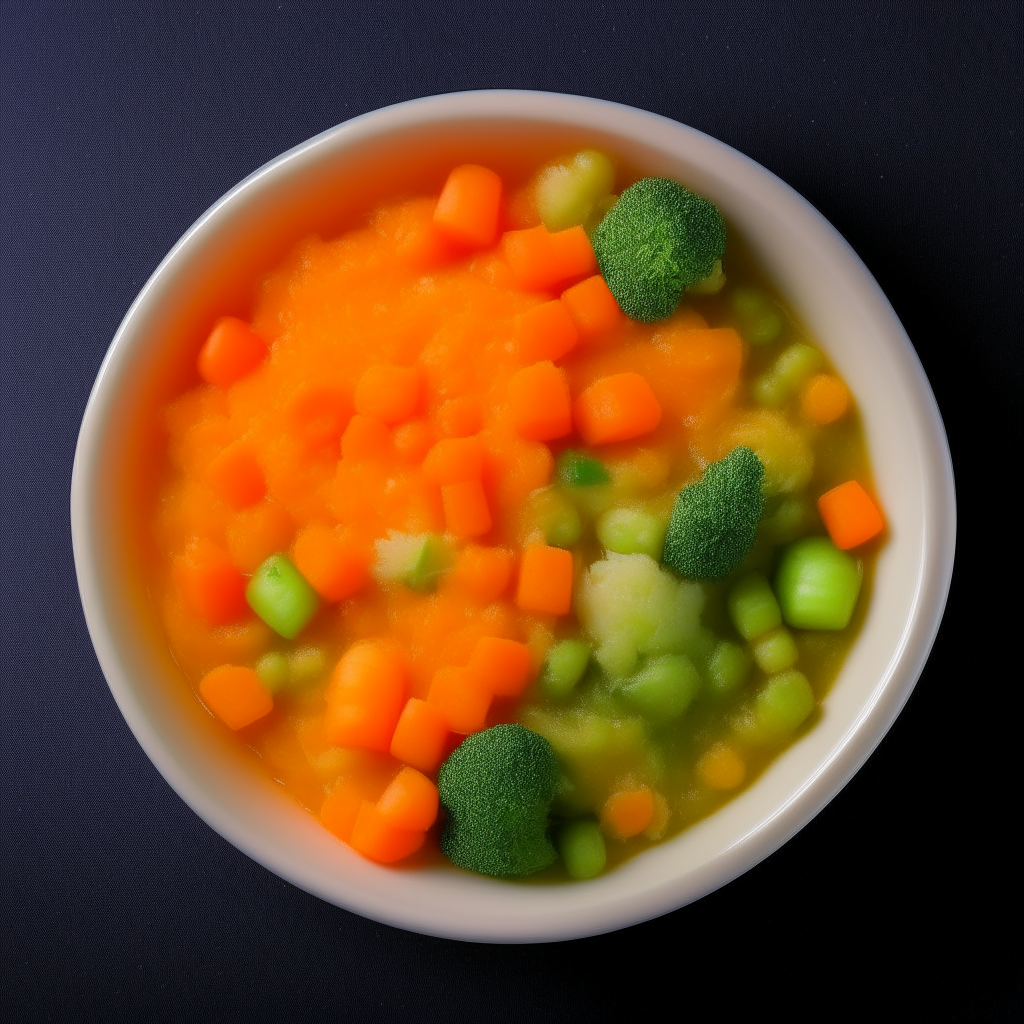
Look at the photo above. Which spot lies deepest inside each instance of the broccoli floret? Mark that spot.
(655, 242)
(714, 521)
(497, 787)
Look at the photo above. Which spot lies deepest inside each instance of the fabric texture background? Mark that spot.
(121, 122)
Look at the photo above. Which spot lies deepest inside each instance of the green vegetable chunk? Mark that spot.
(631, 531)
(279, 594)
(417, 560)
(655, 242)
(728, 667)
(817, 584)
(582, 848)
(663, 689)
(714, 521)
(783, 704)
(759, 318)
(575, 470)
(775, 651)
(566, 662)
(753, 608)
(497, 787)
(567, 191)
(272, 668)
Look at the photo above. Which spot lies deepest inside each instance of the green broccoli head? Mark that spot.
(714, 521)
(497, 787)
(656, 241)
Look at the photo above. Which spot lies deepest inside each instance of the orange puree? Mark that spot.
(417, 376)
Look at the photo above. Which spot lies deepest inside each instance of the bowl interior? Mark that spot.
(324, 186)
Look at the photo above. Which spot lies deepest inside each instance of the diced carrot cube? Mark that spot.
(616, 408)
(545, 580)
(377, 840)
(420, 736)
(849, 515)
(341, 808)
(420, 245)
(235, 695)
(573, 253)
(538, 403)
(318, 416)
(505, 666)
(455, 460)
(708, 362)
(466, 513)
(824, 399)
(468, 208)
(365, 438)
(593, 308)
(720, 767)
(540, 260)
(409, 802)
(460, 417)
(210, 585)
(334, 563)
(236, 476)
(461, 697)
(232, 351)
(255, 533)
(628, 812)
(483, 572)
(365, 697)
(390, 394)
(544, 332)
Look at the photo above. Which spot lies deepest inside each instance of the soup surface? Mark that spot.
(439, 482)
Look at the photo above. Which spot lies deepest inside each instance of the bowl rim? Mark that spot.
(862, 735)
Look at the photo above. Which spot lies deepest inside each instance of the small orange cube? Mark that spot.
(469, 206)
(236, 476)
(235, 695)
(505, 666)
(545, 580)
(420, 735)
(483, 572)
(546, 331)
(335, 565)
(849, 515)
(232, 351)
(461, 697)
(539, 404)
(593, 308)
(465, 509)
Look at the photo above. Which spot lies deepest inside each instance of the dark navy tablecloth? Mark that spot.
(122, 122)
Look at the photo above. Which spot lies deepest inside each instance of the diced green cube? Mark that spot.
(279, 594)
(759, 319)
(663, 689)
(306, 666)
(753, 608)
(582, 848)
(567, 191)
(817, 584)
(632, 531)
(775, 651)
(728, 667)
(575, 470)
(566, 662)
(272, 668)
(784, 703)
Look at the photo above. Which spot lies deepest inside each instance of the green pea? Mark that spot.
(582, 848)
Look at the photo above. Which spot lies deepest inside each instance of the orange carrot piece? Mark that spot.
(412, 440)
(255, 533)
(379, 841)
(707, 363)
(505, 666)
(628, 812)
(468, 208)
(390, 394)
(825, 399)
(593, 308)
(460, 417)
(365, 438)
(236, 476)
(420, 245)
(540, 261)
(720, 767)
(546, 331)
(483, 572)
(231, 351)
(545, 580)
(340, 809)
(849, 515)
(573, 253)
(409, 802)
(318, 416)
(210, 585)
(466, 513)
(334, 563)
(235, 695)
(455, 460)
(616, 408)
(461, 697)
(420, 736)
(365, 697)
(538, 403)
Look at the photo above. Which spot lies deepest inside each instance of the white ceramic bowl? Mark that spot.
(317, 186)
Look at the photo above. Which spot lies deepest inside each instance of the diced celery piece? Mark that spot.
(630, 531)
(787, 521)
(272, 668)
(728, 667)
(784, 703)
(306, 666)
(567, 190)
(631, 607)
(566, 662)
(768, 390)
(601, 207)
(663, 689)
(795, 365)
(416, 560)
(759, 319)
(710, 285)
(582, 848)
(574, 737)
(817, 584)
(775, 651)
(575, 470)
(752, 607)
(279, 594)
